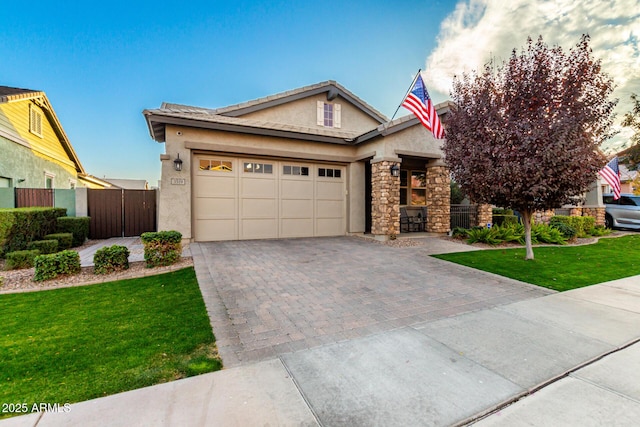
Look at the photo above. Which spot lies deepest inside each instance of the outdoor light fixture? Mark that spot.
(395, 170)
(177, 163)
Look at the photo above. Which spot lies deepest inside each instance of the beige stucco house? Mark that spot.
(314, 161)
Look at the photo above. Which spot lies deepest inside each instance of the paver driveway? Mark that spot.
(269, 297)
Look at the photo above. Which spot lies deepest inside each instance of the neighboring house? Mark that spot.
(314, 161)
(36, 152)
(128, 184)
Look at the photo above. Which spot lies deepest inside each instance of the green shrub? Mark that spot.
(544, 233)
(501, 211)
(504, 219)
(162, 247)
(111, 258)
(599, 230)
(52, 265)
(510, 232)
(21, 259)
(20, 226)
(582, 224)
(484, 235)
(65, 240)
(567, 231)
(44, 246)
(459, 233)
(78, 226)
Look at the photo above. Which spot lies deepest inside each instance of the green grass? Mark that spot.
(74, 344)
(560, 268)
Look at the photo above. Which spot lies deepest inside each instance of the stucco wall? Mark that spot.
(174, 210)
(356, 198)
(303, 113)
(19, 162)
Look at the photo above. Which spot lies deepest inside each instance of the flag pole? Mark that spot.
(406, 93)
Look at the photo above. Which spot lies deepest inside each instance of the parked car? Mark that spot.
(622, 213)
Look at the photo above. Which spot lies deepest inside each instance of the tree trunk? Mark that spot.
(526, 220)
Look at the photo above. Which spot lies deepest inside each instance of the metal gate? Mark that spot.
(29, 197)
(464, 216)
(117, 212)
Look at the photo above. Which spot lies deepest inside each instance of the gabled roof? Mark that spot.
(12, 94)
(230, 117)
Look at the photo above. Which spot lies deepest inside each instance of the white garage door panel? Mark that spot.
(213, 230)
(262, 188)
(215, 208)
(329, 226)
(296, 208)
(329, 190)
(296, 189)
(329, 209)
(258, 229)
(258, 208)
(240, 204)
(216, 186)
(296, 227)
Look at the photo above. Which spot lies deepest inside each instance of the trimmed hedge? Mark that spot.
(78, 226)
(111, 258)
(44, 246)
(21, 259)
(20, 226)
(52, 265)
(65, 240)
(582, 224)
(162, 247)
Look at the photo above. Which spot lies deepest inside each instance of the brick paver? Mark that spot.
(269, 297)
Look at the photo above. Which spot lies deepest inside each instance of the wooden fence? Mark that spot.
(117, 213)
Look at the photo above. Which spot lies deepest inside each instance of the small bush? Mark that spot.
(52, 265)
(484, 235)
(459, 233)
(111, 258)
(65, 240)
(162, 247)
(599, 230)
(582, 224)
(21, 259)
(567, 231)
(544, 233)
(44, 246)
(504, 219)
(78, 226)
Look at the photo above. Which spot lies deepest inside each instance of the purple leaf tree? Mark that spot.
(525, 134)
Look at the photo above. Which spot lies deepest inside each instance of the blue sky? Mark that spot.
(101, 64)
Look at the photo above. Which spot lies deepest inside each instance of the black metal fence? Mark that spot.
(464, 216)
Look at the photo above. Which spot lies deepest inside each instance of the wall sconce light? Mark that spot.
(395, 170)
(177, 163)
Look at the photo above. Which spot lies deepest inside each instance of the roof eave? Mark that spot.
(157, 123)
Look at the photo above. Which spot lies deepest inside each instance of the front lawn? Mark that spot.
(560, 268)
(74, 344)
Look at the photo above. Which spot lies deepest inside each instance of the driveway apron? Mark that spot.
(266, 298)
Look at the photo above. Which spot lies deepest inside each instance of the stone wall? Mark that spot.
(385, 199)
(438, 199)
(485, 215)
(596, 212)
(543, 217)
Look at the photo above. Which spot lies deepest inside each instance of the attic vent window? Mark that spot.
(35, 121)
(329, 114)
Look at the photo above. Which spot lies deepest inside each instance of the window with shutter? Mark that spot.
(328, 115)
(35, 121)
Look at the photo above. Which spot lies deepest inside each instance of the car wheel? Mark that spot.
(608, 221)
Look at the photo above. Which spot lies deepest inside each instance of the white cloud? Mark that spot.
(480, 29)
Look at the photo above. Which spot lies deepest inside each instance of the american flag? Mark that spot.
(419, 103)
(611, 174)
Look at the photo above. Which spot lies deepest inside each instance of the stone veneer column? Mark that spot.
(485, 215)
(543, 217)
(385, 200)
(597, 212)
(438, 199)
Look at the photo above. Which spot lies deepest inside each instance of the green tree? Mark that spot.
(525, 134)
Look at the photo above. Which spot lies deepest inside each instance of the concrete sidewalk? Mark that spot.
(569, 358)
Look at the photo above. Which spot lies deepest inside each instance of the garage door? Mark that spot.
(245, 198)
